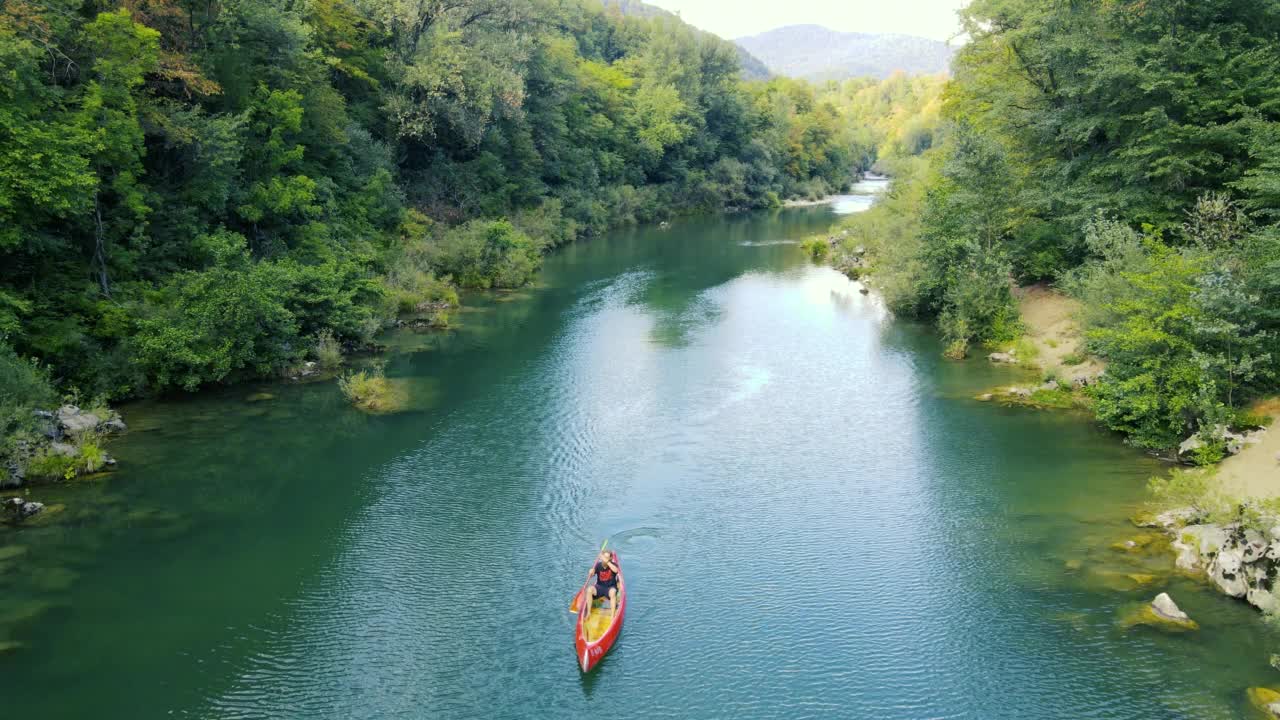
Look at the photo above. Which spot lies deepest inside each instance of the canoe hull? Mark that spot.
(591, 652)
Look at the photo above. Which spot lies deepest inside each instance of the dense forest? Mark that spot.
(196, 192)
(1125, 151)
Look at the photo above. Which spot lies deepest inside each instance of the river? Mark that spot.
(814, 516)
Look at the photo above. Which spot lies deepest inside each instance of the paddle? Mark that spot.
(574, 604)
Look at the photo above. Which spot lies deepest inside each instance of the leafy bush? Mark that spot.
(817, 248)
(1185, 488)
(328, 351)
(1250, 420)
(369, 390)
(24, 386)
(87, 457)
(486, 254)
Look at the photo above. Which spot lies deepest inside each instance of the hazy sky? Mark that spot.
(734, 18)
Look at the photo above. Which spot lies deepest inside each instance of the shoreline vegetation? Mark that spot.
(1113, 176)
(249, 190)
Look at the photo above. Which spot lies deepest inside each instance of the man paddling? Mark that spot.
(606, 584)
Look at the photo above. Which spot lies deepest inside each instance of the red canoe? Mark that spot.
(594, 638)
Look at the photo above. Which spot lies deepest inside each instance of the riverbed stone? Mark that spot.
(16, 509)
(1001, 357)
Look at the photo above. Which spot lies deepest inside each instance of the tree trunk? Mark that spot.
(100, 248)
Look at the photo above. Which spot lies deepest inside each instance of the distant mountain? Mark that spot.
(818, 53)
(752, 67)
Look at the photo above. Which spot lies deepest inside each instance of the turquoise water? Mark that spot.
(815, 520)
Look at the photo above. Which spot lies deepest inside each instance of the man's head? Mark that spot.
(606, 556)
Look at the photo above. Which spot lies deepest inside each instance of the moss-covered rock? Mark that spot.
(8, 552)
(1265, 700)
(1144, 519)
(1143, 544)
(1145, 614)
(50, 514)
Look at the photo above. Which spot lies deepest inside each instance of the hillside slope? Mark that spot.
(752, 67)
(817, 53)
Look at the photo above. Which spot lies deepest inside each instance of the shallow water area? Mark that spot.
(861, 196)
(816, 517)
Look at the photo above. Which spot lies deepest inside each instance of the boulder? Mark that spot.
(864, 290)
(1262, 599)
(999, 357)
(1254, 546)
(64, 449)
(1273, 550)
(1051, 385)
(1195, 542)
(12, 475)
(113, 425)
(75, 421)
(1190, 444)
(859, 251)
(47, 424)
(1020, 392)
(1227, 572)
(1081, 381)
(1166, 608)
(17, 509)
(1147, 614)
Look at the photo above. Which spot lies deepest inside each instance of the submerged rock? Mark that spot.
(16, 509)
(1144, 543)
(1170, 619)
(1000, 357)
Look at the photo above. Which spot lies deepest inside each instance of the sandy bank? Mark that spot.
(810, 203)
(1255, 472)
(1052, 327)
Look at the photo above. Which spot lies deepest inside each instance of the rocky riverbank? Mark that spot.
(59, 445)
(1239, 557)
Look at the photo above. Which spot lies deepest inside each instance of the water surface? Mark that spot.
(814, 517)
